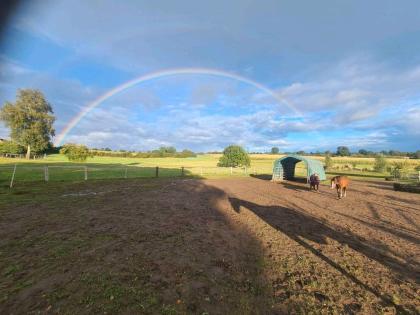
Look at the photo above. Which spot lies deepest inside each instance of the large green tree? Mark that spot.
(30, 120)
(234, 155)
(343, 151)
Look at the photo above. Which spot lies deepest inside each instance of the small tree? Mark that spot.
(76, 153)
(234, 155)
(343, 151)
(380, 163)
(275, 150)
(30, 120)
(399, 169)
(328, 162)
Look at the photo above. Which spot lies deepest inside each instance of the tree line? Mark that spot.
(345, 151)
(161, 152)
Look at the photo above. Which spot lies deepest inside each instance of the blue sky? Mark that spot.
(350, 70)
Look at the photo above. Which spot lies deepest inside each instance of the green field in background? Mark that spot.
(205, 165)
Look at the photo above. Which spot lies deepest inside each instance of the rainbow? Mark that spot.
(159, 74)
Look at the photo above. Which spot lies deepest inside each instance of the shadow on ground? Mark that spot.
(155, 246)
(304, 228)
(175, 246)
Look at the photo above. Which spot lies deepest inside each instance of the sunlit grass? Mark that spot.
(205, 165)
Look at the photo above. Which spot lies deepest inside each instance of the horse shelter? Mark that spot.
(284, 168)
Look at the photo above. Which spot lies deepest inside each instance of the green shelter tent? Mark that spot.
(284, 168)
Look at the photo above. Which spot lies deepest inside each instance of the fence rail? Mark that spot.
(27, 173)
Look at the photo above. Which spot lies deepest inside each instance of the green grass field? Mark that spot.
(59, 169)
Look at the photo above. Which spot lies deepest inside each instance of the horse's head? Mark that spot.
(333, 182)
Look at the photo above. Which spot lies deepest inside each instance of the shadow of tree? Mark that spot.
(164, 243)
(303, 227)
(391, 230)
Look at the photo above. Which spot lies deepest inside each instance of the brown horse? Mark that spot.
(340, 183)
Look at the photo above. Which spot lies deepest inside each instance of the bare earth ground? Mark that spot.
(227, 246)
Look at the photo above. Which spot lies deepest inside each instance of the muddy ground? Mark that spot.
(224, 246)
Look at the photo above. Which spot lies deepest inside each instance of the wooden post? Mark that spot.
(157, 171)
(245, 170)
(13, 177)
(201, 172)
(231, 170)
(46, 175)
(182, 171)
(86, 173)
(125, 174)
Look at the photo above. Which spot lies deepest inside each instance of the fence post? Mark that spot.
(46, 175)
(125, 174)
(182, 171)
(13, 177)
(157, 171)
(201, 172)
(231, 170)
(86, 173)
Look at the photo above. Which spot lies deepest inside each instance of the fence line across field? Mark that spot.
(128, 171)
(49, 172)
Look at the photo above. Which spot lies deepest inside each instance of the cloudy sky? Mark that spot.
(308, 75)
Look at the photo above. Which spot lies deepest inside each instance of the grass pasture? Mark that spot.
(203, 166)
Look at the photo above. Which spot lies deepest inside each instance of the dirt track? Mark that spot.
(244, 246)
(364, 245)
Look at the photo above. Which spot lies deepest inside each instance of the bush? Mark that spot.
(380, 163)
(234, 156)
(11, 147)
(328, 162)
(75, 153)
(399, 169)
(185, 153)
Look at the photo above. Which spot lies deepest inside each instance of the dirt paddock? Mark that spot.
(222, 246)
